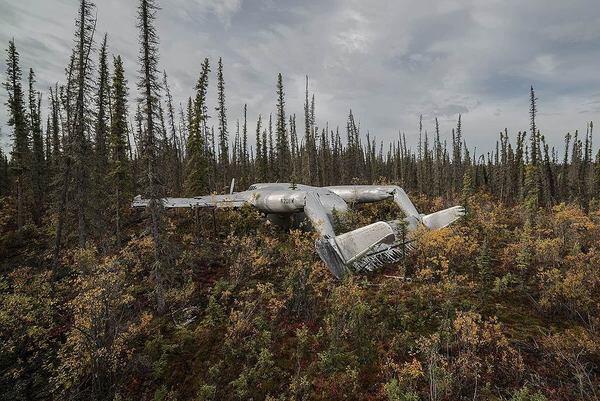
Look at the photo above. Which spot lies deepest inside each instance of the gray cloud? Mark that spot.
(389, 61)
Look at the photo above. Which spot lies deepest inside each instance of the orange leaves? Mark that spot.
(571, 218)
(473, 332)
(575, 289)
(438, 252)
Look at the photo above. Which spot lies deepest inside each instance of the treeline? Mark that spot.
(78, 165)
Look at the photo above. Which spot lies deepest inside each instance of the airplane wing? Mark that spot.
(236, 200)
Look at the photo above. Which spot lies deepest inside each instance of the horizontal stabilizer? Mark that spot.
(348, 249)
(443, 218)
(354, 244)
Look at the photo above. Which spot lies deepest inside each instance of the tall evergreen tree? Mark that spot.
(222, 124)
(101, 219)
(197, 163)
(37, 161)
(258, 161)
(148, 86)
(81, 84)
(120, 171)
(244, 149)
(283, 149)
(533, 127)
(55, 133)
(271, 153)
(102, 111)
(18, 121)
(175, 156)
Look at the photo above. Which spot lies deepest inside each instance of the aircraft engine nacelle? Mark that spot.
(361, 193)
(279, 201)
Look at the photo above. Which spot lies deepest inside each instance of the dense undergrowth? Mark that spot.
(502, 306)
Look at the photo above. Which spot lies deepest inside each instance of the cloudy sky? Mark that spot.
(389, 61)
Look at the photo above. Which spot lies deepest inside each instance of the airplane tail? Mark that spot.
(344, 250)
(377, 244)
(432, 221)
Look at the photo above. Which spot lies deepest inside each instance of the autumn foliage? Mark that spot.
(496, 307)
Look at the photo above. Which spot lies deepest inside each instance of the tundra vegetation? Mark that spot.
(101, 302)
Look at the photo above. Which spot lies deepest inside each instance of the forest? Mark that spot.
(99, 301)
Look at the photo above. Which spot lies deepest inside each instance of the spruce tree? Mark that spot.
(222, 124)
(17, 119)
(37, 161)
(102, 111)
(531, 192)
(148, 86)
(533, 127)
(55, 132)
(283, 150)
(119, 169)
(265, 156)
(272, 171)
(196, 163)
(81, 84)
(244, 145)
(258, 161)
(308, 141)
(100, 190)
(175, 156)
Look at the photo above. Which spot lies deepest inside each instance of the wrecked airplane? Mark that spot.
(363, 249)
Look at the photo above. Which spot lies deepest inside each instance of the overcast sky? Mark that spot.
(389, 61)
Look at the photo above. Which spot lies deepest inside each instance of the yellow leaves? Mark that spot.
(548, 250)
(96, 344)
(252, 310)
(412, 370)
(84, 259)
(447, 243)
(575, 340)
(571, 217)
(268, 296)
(442, 251)
(258, 258)
(466, 326)
(474, 332)
(576, 350)
(575, 289)
(240, 324)
(476, 348)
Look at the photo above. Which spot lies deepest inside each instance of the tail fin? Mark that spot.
(433, 221)
(403, 201)
(443, 218)
(343, 250)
